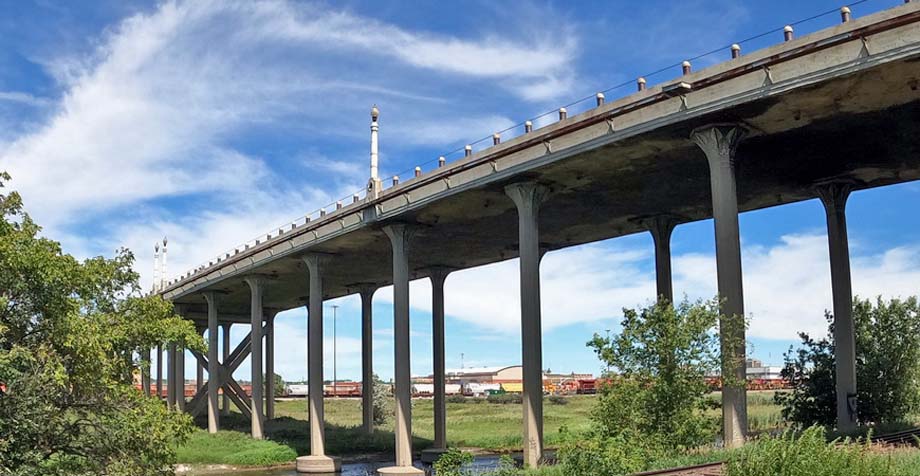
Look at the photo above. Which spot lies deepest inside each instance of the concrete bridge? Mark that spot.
(813, 117)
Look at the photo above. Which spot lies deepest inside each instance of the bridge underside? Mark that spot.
(863, 126)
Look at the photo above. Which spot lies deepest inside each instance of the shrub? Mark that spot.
(600, 454)
(557, 400)
(505, 398)
(381, 401)
(457, 398)
(451, 463)
(887, 367)
(809, 454)
(657, 403)
(506, 467)
(663, 354)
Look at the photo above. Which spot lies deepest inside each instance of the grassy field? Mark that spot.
(472, 424)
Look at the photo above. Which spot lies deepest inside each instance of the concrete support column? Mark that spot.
(317, 462)
(180, 378)
(213, 364)
(225, 349)
(367, 358)
(256, 286)
(270, 366)
(834, 197)
(438, 276)
(400, 235)
(171, 376)
(527, 198)
(661, 228)
(159, 371)
(720, 143)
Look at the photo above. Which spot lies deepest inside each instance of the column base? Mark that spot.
(319, 465)
(400, 471)
(431, 455)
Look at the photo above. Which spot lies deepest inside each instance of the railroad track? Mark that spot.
(708, 469)
(906, 437)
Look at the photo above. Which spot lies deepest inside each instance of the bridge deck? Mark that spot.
(843, 102)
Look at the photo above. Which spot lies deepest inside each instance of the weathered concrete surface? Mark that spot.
(824, 106)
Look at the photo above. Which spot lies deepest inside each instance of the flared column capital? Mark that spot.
(527, 196)
(719, 142)
(316, 262)
(834, 194)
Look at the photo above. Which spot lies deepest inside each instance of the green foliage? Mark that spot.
(657, 402)
(456, 398)
(601, 453)
(277, 384)
(663, 354)
(557, 400)
(382, 398)
(451, 463)
(505, 398)
(506, 467)
(69, 335)
(809, 454)
(887, 367)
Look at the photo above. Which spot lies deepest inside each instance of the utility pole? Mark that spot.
(461, 360)
(335, 390)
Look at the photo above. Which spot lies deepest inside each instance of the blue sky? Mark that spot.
(212, 122)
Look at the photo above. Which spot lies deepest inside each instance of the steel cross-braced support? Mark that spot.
(230, 386)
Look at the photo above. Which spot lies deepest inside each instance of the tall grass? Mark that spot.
(809, 454)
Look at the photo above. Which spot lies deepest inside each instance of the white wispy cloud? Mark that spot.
(162, 108)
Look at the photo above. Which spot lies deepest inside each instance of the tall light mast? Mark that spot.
(374, 185)
(156, 267)
(163, 266)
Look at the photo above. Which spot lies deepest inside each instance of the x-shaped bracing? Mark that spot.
(230, 386)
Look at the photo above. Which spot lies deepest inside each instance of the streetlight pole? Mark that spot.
(335, 379)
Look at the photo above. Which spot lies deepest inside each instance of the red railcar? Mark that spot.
(343, 389)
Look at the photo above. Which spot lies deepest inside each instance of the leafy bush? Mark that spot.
(451, 463)
(600, 454)
(456, 398)
(557, 400)
(809, 454)
(887, 367)
(381, 401)
(657, 403)
(505, 398)
(506, 467)
(663, 354)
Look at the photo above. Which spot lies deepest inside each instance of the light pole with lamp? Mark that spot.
(335, 390)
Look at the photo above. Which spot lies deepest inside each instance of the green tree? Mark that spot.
(381, 401)
(663, 355)
(887, 367)
(71, 334)
(278, 383)
(656, 400)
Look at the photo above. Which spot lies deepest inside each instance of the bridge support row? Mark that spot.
(719, 143)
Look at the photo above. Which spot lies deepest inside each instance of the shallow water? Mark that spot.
(480, 464)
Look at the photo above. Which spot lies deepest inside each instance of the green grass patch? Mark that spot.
(232, 447)
(471, 423)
